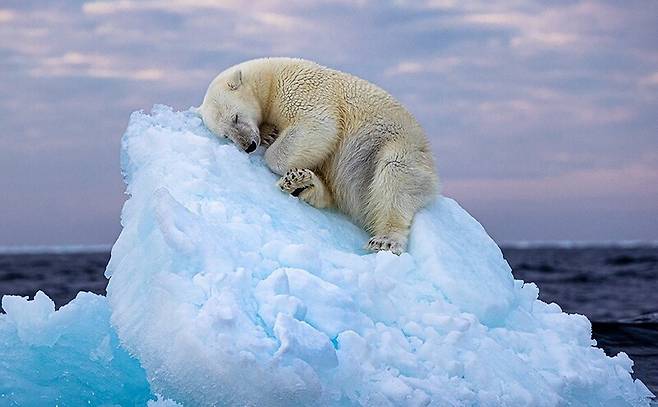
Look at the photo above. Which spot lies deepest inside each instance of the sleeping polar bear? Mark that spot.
(334, 138)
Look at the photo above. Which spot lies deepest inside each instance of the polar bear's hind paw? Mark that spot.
(382, 242)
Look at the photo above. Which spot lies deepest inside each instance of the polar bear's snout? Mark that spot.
(243, 135)
(247, 143)
(247, 138)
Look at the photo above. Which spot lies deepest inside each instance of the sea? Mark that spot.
(615, 286)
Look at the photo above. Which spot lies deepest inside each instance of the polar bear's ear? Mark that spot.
(235, 80)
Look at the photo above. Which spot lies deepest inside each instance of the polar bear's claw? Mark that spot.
(268, 134)
(297, 191)
(380, 243)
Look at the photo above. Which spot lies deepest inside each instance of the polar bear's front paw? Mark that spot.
(382, 242)
(296, 180)
(268, 134)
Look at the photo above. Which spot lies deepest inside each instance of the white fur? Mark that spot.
(334, 138)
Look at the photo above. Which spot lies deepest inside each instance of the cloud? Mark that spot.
(93, 65)
(106, 7)
(434, 66)
(650, 80)
(279, 21)
(545, 29)
(123, 6)
(589, 184)
(6, 15)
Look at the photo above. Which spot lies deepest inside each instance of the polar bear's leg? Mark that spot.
(309, 187)
(402, 184)
(391, 209)
(301, 146)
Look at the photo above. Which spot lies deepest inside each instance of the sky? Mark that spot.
(543, 116)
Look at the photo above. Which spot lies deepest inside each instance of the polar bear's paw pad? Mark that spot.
(296, 180)
(383, 242)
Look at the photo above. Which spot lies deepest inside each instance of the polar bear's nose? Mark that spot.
(251, 147)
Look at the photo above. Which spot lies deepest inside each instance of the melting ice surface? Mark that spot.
(228, 292)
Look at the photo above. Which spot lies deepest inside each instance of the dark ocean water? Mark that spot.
(616, 288)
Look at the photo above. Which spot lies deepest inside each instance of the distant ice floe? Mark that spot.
(229, 292)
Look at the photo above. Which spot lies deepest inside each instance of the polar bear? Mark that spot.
(335, 140)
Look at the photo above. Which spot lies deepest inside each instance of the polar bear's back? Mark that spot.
(304, 85)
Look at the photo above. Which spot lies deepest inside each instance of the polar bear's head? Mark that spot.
(231, 110)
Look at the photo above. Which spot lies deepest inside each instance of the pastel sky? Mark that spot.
(543, 115)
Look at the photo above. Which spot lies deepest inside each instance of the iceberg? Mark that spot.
(71, 356)
(224, 291)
